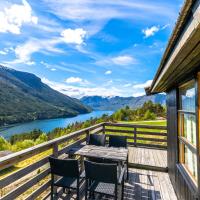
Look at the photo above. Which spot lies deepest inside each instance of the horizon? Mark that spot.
(81, 51)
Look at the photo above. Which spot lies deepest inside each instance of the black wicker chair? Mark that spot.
(68, 171)
(103, 179)
(119, 141)
(97, 140)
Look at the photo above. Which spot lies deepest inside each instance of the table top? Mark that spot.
(111, 153)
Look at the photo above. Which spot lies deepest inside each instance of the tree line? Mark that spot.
(149, 111)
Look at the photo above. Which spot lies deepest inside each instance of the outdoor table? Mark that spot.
(118, 155)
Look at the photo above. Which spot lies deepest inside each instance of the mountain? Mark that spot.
(115, 103)
(23, 97)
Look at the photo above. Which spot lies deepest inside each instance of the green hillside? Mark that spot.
(23, 97)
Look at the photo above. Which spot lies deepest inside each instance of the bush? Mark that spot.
(4, 144)
(23, 145)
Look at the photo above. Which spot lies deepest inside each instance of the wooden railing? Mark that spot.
(140, 135)
(32, 178)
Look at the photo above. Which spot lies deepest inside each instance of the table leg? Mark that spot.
(120, 167)
(82, 163)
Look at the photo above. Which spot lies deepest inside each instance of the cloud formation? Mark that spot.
(79, 91)
(73, 36)
(108, 72)
(15, 16)
(150, 31)
(76, 80)
(124, 60)
(142, 85)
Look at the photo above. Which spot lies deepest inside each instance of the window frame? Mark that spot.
(183, 142)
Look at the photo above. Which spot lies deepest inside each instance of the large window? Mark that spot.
(187, 128)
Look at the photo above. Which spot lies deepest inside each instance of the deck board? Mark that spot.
(148, 157)
(142, 185)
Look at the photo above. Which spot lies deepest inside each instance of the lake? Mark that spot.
(49, 124)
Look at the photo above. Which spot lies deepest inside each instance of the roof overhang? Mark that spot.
(182, 55)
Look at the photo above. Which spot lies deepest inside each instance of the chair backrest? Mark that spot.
(117, 141)
(66, 168)
(96, 139)
(101, 172)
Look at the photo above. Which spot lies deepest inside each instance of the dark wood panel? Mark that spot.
(182, 185)
(172, 156)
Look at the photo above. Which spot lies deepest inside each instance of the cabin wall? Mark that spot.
(179, 181)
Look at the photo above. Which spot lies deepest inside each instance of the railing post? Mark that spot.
(55, 150)
(103, 131)
(135, 136)
(87, 136)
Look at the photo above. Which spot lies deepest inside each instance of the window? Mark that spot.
(187, 128)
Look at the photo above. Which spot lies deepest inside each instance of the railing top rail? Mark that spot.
(136, 126)
(44, 145)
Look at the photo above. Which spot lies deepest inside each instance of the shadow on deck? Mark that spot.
(142, 185)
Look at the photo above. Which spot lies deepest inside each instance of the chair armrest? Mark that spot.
(121, 177)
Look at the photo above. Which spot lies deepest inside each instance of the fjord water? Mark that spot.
(49, 124)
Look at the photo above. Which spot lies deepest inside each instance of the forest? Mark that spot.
(149, 111)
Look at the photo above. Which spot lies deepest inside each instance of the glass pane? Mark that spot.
(187, 97)
(188, 127)
(190, 161)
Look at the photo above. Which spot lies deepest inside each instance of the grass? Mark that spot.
(153, 123)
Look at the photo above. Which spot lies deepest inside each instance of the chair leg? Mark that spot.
(86, 189)
(52, 192)
(122, 190)
(116, 192)
(77, 189)
(127, 175)
(77, 194)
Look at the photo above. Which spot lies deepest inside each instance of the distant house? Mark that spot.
(179, 76)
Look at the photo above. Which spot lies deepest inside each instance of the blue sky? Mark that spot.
(87, 47)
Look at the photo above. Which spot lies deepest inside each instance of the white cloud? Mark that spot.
(3, 52)
(77, 80)
(150, 31)
(15, 16)
(108, 72)
(80, 10)
(23, 52)
(58, 67)
(123, 60)
(142, 85)
(73, 80)
(78, 91)
(138, 94)
(138, 89)
(165, 26)
(127, 85)
(73, 36)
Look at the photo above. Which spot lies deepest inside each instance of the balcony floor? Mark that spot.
(148, 158)
(142, 185)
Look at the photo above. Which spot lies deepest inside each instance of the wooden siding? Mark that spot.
(181, 182)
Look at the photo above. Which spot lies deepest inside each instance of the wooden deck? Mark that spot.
(148, 158)
(142, 185)
(148, 166)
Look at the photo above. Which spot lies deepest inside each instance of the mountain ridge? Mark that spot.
(117, 102)
(24, 97)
